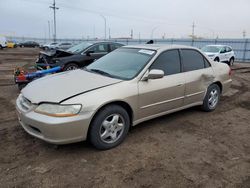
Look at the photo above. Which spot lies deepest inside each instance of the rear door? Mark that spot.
(164, 94)
(198, 75)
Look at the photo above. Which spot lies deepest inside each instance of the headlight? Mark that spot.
(58, 110)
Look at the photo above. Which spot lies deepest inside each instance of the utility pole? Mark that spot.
(193, 26)
(244, 34)
(131, 34)
(54, 9)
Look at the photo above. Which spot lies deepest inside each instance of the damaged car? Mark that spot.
(122, 89)
(77, 56)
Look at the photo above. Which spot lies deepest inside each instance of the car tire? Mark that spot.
(109, 127)
(212, 98)
(1, 47)
(70, 66)
(217, 59)
(231, 61)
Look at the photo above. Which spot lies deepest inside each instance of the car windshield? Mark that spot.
(79, 47)
(212, 49)
(123, 63)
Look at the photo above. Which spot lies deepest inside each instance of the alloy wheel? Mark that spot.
(112, 128)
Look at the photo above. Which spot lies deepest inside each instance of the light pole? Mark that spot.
(49, 28)
(105, 22)
(152, 32)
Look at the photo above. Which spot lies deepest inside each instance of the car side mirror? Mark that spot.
(88, 53)
(154, 74)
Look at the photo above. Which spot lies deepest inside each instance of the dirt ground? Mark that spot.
(190, 148)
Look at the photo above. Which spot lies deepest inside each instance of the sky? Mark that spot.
(147, 18)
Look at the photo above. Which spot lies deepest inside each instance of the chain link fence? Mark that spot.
(241, 47)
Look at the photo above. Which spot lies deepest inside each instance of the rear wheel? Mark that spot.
(212, 98)
(231, 61)
(109, 127)
(70, 66)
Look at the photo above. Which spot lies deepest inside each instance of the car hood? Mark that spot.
(56, 53)
(62, 86)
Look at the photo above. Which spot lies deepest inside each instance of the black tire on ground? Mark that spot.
(70, 66)
(217, 59)
(21, 86)
(97, 127)
(209, 102)
(231, 61)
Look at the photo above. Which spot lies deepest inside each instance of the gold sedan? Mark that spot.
(124, 88)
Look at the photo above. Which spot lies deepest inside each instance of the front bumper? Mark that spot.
(55, 130)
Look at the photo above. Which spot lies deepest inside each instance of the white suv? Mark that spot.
(220, 53)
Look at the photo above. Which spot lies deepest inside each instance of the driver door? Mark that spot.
(160, 95)
(97, 51)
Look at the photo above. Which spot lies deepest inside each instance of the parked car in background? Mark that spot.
(31, 44)
(220, 53)
(124, 88)
(11, 44)
(49, 46)
(77, 56)
(63, 46)
(3, 42)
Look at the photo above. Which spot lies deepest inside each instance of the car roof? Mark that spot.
(218, 45)
(159, 46)
(96, 42)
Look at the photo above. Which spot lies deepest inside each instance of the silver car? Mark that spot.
(124, 88)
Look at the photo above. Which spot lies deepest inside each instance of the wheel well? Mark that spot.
(72, 62)
(232, 57)
(217, 58)
(219, 84)
(123, 104)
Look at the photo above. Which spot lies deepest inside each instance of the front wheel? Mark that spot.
(217, 59)
(70, 66)
(109, 127)
(212, 98)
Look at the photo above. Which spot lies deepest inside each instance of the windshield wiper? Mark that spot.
(101, 72)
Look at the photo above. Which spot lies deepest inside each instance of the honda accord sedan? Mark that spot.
(122, 89)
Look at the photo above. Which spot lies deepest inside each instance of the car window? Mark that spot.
(169, 62)
(223, 50)
(114, 46)
(228, 49)
(192, 60)
(99, 48)
(206, 63)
